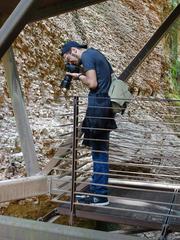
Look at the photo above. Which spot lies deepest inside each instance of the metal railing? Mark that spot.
(144, 153)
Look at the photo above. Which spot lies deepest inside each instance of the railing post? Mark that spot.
(74, 157)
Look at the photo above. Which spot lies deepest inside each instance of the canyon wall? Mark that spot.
(119, 28)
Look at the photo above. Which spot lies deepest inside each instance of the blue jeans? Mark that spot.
(100, 157)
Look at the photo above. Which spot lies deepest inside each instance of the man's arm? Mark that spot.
(90, 79)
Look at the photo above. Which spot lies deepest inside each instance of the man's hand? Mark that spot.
(90, 79)
(74, 75)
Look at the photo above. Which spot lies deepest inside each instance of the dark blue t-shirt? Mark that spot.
(92, 59)
(99, 114)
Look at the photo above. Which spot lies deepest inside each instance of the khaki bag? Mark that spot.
(119, 94)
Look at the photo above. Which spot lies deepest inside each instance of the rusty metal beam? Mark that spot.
(6, 7)
(46, 8)
(59, 154)
(21, 188)
(12, 228)
(150, 45)
(59, 7)
(57, 157)
(14, 24)
(33, 10)
(22, 122)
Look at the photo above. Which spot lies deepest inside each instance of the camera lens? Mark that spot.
(66, 82)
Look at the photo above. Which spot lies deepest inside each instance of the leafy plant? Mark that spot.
(175, 74)
(175, 3)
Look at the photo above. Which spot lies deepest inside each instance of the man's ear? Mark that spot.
(74, 50)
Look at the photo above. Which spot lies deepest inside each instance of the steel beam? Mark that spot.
(59, 7)
(22, 122)
(143, 184)
(14, 24)
(22, 188)
(33, 10)
(93, 214)
(150, 45)
(21, 229)
(59, 154)
(37, 185)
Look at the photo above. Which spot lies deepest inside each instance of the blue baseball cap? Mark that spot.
(68, 45)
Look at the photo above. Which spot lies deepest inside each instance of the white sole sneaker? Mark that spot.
(99, 204)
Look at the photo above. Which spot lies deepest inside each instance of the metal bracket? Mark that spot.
(51, 216)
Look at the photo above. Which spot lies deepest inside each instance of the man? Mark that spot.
(99, 118)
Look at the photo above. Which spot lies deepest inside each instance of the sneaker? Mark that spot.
(81, 196)
(94, 201)
(84, 194)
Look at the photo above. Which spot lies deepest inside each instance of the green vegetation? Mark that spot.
(174, 3)
(174, 52)
(174, 78)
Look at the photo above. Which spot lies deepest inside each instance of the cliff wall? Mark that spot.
(119, 28)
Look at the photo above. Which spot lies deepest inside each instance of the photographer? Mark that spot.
(99, 119)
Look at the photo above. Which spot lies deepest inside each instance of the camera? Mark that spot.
(66, 82)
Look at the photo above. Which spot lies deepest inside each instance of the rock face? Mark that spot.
(119, 28)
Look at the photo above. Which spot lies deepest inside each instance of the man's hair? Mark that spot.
(68, 45)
